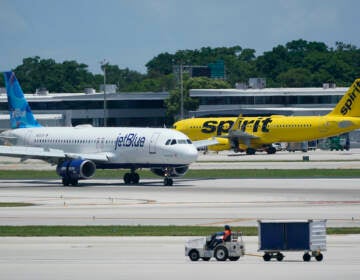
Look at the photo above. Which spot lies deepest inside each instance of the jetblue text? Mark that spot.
(129, 140)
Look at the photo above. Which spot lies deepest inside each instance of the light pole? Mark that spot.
(181, 93)
(103, 67)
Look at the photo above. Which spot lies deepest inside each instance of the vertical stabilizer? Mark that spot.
(349, 104)
(19, 109)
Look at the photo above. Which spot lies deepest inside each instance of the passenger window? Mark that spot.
(173, 142)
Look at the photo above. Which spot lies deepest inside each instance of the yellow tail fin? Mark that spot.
(349, 104)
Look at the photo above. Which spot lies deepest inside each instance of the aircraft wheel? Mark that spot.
(135, 178)
(65, 182)
(127, 178)
(206, 259)
(74, 182)
(168, 181)
(234, 259)
(271, 150)
(250, 151)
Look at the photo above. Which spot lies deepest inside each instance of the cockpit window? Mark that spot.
(168, 142)
(181, 141)
(188, 141)
(173, 142)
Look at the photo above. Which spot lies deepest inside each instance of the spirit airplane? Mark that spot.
(251, 133)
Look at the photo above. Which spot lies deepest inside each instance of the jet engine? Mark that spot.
(170, 171)
(73, 170)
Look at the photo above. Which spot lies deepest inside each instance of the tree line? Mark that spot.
(298, 63)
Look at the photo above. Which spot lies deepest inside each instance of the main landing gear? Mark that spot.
(131, 178)
(69, 181)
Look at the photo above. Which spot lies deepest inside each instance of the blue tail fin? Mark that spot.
(19, 109)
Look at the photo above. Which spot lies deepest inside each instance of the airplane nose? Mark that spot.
(191, 153)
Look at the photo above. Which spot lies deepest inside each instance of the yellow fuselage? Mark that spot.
(267, 130)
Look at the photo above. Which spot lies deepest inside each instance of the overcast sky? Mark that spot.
(129, 33)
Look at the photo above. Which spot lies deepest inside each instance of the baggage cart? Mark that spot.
(277, 236)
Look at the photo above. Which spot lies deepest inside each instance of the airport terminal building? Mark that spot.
(266, 101)
(70, 109)
(148, 108)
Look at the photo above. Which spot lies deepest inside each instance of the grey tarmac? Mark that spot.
(162, 258)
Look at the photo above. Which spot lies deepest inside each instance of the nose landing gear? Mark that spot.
(168, 181)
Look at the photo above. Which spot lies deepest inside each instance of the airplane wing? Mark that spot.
(48, 154)
(30, 152)
(241, 135)
(205, 143)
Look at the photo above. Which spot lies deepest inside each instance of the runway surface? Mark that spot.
(162, 258)
(189, 202)
(230, 160)
(238, 202)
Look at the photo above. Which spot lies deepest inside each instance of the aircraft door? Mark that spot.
(28, 139)
(152, 145)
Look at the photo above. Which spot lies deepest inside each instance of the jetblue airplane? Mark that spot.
(79, 151)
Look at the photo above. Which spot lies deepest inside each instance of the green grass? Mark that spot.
(162, 230)
(26, 231)
(15, 204)
(196, 174)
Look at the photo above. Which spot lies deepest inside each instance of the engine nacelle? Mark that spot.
(76, 169)
(170, 171)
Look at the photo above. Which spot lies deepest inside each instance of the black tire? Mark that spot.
(319, 257)
(127, 178)
(74, 182)
(206, 259)
(135, 178)
(250, 151)
(279, 257)
(271, 150)
(221, 253)
(194, 255)
(65, 182)
(168, 181)
(306, 257)
(234, 259)
(266, 257)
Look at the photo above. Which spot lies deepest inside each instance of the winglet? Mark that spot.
(19, 109)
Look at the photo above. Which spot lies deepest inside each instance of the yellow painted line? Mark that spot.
(254, 255)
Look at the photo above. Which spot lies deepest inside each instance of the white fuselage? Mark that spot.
(123, 146)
